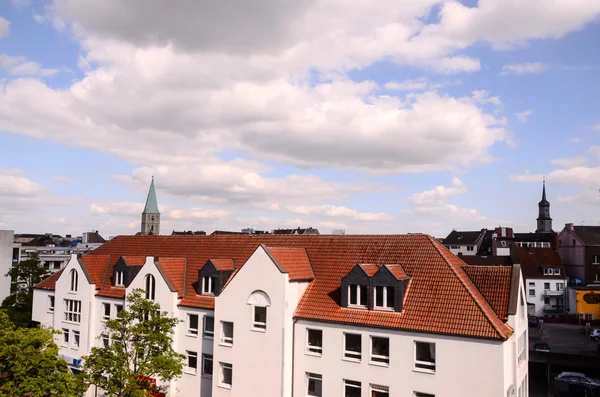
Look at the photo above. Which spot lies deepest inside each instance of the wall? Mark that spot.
(6, 250)
(477, 363)
(581, 306)
(553, 293)
(572, 255)
(462, 249)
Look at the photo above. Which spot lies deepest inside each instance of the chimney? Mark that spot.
(569, 226)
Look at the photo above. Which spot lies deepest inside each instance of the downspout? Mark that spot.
(293, 349)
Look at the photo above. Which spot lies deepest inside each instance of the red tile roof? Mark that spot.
(369, 268)
(50, 282)
(112, 292)
(174, 270)
(494, 284)
(96, 266)
(397, 271)
(223, 264)
(134, 260)
(441, 298)
(533, 260)
(293, 261)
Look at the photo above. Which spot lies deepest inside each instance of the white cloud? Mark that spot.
(440, 194)
(4, 27)
(209, 213)
(524, 115)
(523, 68)
(419, 84)
(575, 140)
(570, 162)
(63, 179)
(19, 66)
(18, 186)
(597, 127)
(338, 211)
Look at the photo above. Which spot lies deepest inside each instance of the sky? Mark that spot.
(407, 117)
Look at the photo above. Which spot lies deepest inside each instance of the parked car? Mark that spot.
(533, 321)
(577, 379)
(595, 334)
(541, 347)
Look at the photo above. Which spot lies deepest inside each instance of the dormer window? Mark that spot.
(384, 297)
(357, 295)
(208, 285)
(119, 278)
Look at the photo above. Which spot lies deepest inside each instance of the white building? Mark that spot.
(265, 315)
(6, 260)
(465, 243)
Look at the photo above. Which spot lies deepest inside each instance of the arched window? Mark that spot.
(150, 287)
(73, 280)
(259, 301)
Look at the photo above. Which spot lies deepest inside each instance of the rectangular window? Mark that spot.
(351, 388)
(521, 345)
(380, 350)
(546, 271)
(314, 385)
(56, 265)
(65, 333)
(105, 341)
(72, 311)
(384, 297)
(531, 292)
(209, 327)
(75, 339)
(379, 391)
(226, 375)
(357, 295)
(260, 318)
(532, 284)
(353, 346)
(119, 278)
(559, 286)
(546, 286)
(208, 285)
(106, 311)
(546, 300)
(207, 364)
(557, 272)
(420, 394)
(227, 333)
(425, 356)
(596, 260)
(314, 341)
(118, 308)
(192, 361)
(470, 248)
(192, 324)
(51, 303)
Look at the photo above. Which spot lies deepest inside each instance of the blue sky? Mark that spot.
(422, 118)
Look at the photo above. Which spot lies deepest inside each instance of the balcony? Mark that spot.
(554, 309)
(549, 292)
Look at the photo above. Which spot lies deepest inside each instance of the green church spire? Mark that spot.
(151, 203)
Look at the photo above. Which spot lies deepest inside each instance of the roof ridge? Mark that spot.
(486, 313)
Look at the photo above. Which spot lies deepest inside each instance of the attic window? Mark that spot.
(119, 278)
(208, 285)
(384, 297)
(357, 295)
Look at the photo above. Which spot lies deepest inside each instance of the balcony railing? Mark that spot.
(554, 308)
(549, 292)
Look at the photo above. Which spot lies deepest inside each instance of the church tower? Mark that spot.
(544, 222)
(151, 216)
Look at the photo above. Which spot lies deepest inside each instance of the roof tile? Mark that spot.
(294, 261)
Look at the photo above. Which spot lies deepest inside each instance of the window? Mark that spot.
(521, 344)
(73, 280)
(260, 318)
(380, 350)
(56, 265)
(226, 375)
(227, 333)
(105, 341)
(118, 308)
(379, 391)
(470, 248)
(192, 324)
(75, 339)
(351, 388)
(357, 295)
(192, 361)
(559, 286)
(557, 272)
(532, 284)
(353, 346)
(51, 303)
(314, 341)
(574, 242)
(65, 333)
(208, 285)
(546, 271)
(531, 292)
(384, 297)
(425, 356)
(119, 278)
(314, 385)
(150, 287)
(106, 311)
(546, 286)
(207, 364)
(72, 311)
(209, 327)
(420, 394)
(546, 300)
(596, 260)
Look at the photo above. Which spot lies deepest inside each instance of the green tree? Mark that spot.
(141, 348)
(30, 366)
(25, 275)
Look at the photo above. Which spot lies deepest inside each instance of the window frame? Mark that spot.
(385, 292)
(118, 308)
(259, 325)
(106, 305)
(532, 293)
(350, 355)
(150, 287)
(352, 384)
(422, 394)
(51, 304)
(560, 286)
(315, 377)
(546, 286)
(313, 350)
(428, 367)
(189, 354)
(378, 359)
(190, 331)
(72, 310)
(65, 338)
(373, 388)
(119, 278)
(226, 340)
(73, 281)
(205, 333)
(222, 367)
(208, 357)
(76, 340)
(359, 303)
(208, 281)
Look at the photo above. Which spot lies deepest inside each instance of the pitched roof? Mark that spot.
(134, 260)
(589, 235)
(465, 237)
(151, 202)
(223, 264)
(95, 267)
(487, 260)
(457, 308)
(173, 270)
(533, 260)
(293, 261)
(494, 283)
(50, 282)
(397, 271)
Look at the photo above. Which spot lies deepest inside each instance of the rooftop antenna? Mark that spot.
(582, 222)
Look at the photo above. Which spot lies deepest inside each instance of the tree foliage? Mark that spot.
(25, 275)
(29, 365)
(140, 347)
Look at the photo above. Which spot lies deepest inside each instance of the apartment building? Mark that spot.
(321, 315)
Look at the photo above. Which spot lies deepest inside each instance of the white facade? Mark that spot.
(548, 295)
(270, 358)
(6, 251)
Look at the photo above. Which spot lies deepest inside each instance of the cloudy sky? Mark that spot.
(395, 117)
